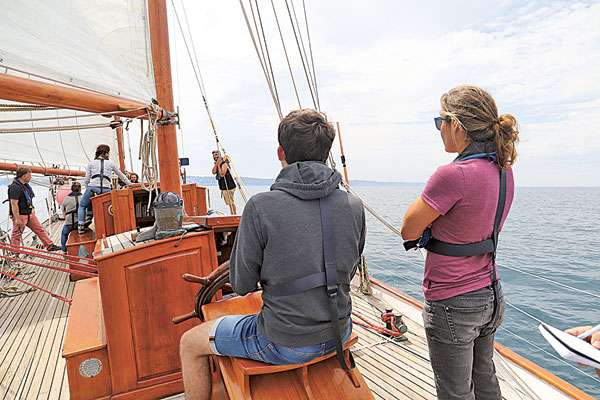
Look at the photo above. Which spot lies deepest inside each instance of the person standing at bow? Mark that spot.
(70, 206)
(226, 183)
(461, 210)
(22, 210)
(97, 180)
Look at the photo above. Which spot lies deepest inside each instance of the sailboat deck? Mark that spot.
(32, 328)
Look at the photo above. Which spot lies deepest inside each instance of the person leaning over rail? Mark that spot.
(593, 339)
(279, 243)
(97, 180)
(226, 183)
(70, 206)
(457, 218)
(22, 210)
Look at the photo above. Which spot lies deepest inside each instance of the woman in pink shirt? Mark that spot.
(457, 219)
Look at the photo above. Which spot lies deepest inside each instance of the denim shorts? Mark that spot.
(238, 336)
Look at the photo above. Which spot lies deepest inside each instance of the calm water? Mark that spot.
(553, 233)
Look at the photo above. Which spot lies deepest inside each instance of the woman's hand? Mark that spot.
(594, 340)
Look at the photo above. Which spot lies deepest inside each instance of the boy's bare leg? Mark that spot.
(194, 351)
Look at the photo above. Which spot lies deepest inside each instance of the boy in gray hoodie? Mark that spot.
(280, 240)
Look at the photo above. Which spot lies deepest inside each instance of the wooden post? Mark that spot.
(120, 146)
(168, 156)
(342, 150)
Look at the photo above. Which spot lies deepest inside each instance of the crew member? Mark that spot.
(70, 206)
(279, 241)
(97, 180)
(22, 210)
(226, 183)
(463, 207)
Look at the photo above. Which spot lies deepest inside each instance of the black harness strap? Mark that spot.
(101, 175)
(331, 278)
(460, 250)
(305, 283)
(497, 220)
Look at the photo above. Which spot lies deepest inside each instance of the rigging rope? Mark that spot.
(196, 67)
(302, 58)
(275, 99)
(24, 107)
(312, 60)
(266, 49)
(54, 128)
(148, 146)
(286, 55)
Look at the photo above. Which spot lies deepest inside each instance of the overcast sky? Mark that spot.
(381, 67)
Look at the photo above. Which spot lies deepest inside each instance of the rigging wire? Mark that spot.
(275, 99)
(200, 82)
(286, 54)
(312, 60)
(174, 36)
(306, 72)
(80, 140)
(266, 48)
(62, 146)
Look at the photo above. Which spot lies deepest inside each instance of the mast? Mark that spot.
(120, 146)
(168, 156)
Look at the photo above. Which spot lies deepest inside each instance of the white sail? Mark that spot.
(99, 45)
(69, 149)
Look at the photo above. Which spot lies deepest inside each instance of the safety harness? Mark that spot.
(331, 279)
(471, 249)
(27, 190)
(74, 212)
(101, 174)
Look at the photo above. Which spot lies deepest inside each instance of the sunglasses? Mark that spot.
(438, 122)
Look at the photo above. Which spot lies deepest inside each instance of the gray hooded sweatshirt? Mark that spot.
(279, 239)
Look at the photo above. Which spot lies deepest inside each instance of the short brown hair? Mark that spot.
(305, 135)
(102, 150)
(76, 187)
(22, 171)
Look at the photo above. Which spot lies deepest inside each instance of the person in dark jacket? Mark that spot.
(280, 240)
(22, 210)
(226, 182)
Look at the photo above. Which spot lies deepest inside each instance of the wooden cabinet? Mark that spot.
(81, 245)
(142, 290)
(123, 210)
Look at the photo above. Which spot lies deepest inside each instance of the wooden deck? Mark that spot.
(32, 328)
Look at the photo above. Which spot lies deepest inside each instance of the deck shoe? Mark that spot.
(81, 228)
(54, 248)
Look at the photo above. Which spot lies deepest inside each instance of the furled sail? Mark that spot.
(101, 46)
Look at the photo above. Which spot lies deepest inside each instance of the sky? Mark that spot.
(381, 67)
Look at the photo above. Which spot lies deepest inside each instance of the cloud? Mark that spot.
(381, 68)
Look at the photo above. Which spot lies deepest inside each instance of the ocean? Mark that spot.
(548, 256)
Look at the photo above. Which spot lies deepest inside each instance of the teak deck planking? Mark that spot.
(32, 328)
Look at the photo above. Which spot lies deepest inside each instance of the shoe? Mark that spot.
(88, 220)
(80, 228)
(54, 248)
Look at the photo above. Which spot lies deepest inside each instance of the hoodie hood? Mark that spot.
(307, 180)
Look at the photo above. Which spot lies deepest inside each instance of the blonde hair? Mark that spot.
(475, 111)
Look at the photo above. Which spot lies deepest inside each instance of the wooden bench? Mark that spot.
(84, 348)
(321, 378)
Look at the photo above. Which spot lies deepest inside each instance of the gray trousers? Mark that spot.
(460, 334)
